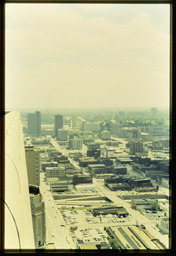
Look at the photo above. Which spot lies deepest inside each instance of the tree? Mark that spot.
(114, 243)
(155, 206)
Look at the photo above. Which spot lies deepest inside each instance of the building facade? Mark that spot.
(34, 124)
(58, 123)
(18, 219)
(62, 135)
(55, 172)
(91, 126)
(136, 146)
(33, 165)
(76, 143)
(38, 216)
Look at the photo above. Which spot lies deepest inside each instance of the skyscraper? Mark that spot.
(34, 124)
(136, 146)
(33, 165)
(38, 215)
(58, 123)
(18, 224)
(74, 122)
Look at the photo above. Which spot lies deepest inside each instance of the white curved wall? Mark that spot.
(18, 218)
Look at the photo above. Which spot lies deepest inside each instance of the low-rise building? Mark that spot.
(146, 182)
(132, 238)
(81, 178)
(49, 164)
(85, 161)
(144, 203)
(118, 210)
(97, 168)
(85, 187)
(118, 186)
(61, 187)
(55, 172)
(164, 225)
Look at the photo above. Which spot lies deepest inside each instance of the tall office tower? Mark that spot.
(74, 122)
(38, 215)
(34, 124)
(18, 225)
(33, 165)
(136, 146)
(154, 112)
(58, 123)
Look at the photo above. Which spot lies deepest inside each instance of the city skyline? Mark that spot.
(87, 56)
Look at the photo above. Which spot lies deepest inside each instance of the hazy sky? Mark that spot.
(87, 55)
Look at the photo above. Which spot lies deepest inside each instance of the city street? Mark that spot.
(139, 218)
(55, 232)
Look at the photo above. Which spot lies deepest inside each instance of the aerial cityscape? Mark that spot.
(98, 180)
(87, 127)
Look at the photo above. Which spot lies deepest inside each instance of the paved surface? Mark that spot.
(139, 218)
(55, 233)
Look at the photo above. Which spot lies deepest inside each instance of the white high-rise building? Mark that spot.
(18, 224)
(75, 122)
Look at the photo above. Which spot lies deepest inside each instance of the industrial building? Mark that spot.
(143, 203)
(118, 210)
(132, 238)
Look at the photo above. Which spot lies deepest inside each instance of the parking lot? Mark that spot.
(90, 235)
(82, 225)
(85, 217)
